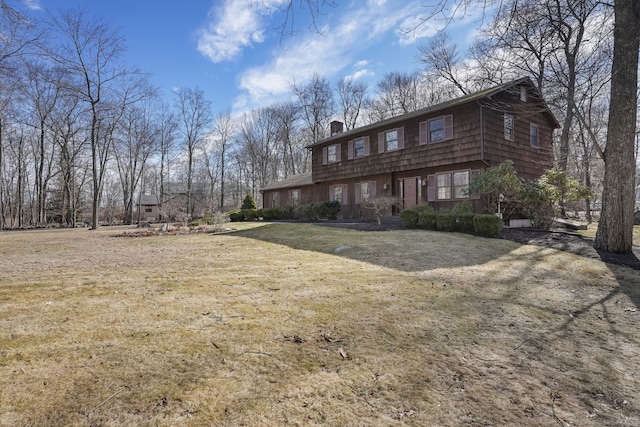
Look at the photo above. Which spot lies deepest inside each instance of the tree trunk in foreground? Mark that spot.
(615, 230)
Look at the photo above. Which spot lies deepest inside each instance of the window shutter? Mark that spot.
(345, 197)
(448, 126)
(381, 143)
(350, 150)
(332, 192)
(357, 195)
(400, 138)
(338, 152)
(324, 156)
(373, 188)
(431, 190)
(367, 146)
(424, 133)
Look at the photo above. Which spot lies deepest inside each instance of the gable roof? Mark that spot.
(294, 181)
(148, 199)
(486, 94)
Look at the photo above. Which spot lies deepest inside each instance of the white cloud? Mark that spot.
(325, 54)
(360, 74)
(362, 63)
(32, 4)
(235, 24)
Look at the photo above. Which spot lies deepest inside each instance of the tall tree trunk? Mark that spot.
(615, 230)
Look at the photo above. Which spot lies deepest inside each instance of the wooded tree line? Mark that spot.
(79, 128)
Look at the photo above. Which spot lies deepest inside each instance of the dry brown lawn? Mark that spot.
(268, 326)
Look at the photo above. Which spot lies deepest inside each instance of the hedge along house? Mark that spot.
(427, 156)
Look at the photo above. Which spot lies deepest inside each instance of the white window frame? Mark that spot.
(508, 127)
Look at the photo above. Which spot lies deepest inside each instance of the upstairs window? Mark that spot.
(508, 127)
(533, 132)
(331, 154)
(391, 140)
(358, 148)
(436, 129)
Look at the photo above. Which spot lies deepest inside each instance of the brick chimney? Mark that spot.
(336, 127)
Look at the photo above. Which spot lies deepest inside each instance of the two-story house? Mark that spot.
(427, 156)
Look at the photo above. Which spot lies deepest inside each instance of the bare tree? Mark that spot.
(90, 50)
(223, 131)
(137, 140)
(316, 103)
(398, 93)
(441, 58)
(353, 98)
(194, 117)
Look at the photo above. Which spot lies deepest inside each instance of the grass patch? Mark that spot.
(268, 325)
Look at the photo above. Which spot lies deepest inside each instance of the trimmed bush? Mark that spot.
(487, 225)
(427, 220)
(409, 218)
(273, 214)
(464, 223)
(329, 209)
(236, 215)
(445, 222)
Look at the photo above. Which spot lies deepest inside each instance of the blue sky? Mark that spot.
(234, 52)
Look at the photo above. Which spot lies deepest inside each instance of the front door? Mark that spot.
(410, 193)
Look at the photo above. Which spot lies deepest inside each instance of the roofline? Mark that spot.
(456, 102)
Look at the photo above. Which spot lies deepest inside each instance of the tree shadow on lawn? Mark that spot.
(552, 345)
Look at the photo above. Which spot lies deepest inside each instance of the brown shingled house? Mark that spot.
(429, 155)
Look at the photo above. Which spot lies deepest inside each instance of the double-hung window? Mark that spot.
(533, 132)
(448, 186)
(391, 140)
(436, 129)
(331, 154)
(508, 127)
(275, 199)
(295, 197)
(365, 191)
(358, 148)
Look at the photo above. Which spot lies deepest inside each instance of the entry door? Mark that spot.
(410, 193)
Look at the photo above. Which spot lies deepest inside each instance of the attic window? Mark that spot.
(533, 132)
(508, 127)
(523, 93)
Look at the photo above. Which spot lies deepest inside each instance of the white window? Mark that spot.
(533, 132)
(452, 185)
(337, 193)
(365, 191)
(275, 197)
(508, 127)
(460, 185)
(295, 197)
(332, 153)
(391, 140)
(443, 185)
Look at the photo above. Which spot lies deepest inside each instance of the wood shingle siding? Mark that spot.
(465, 134)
